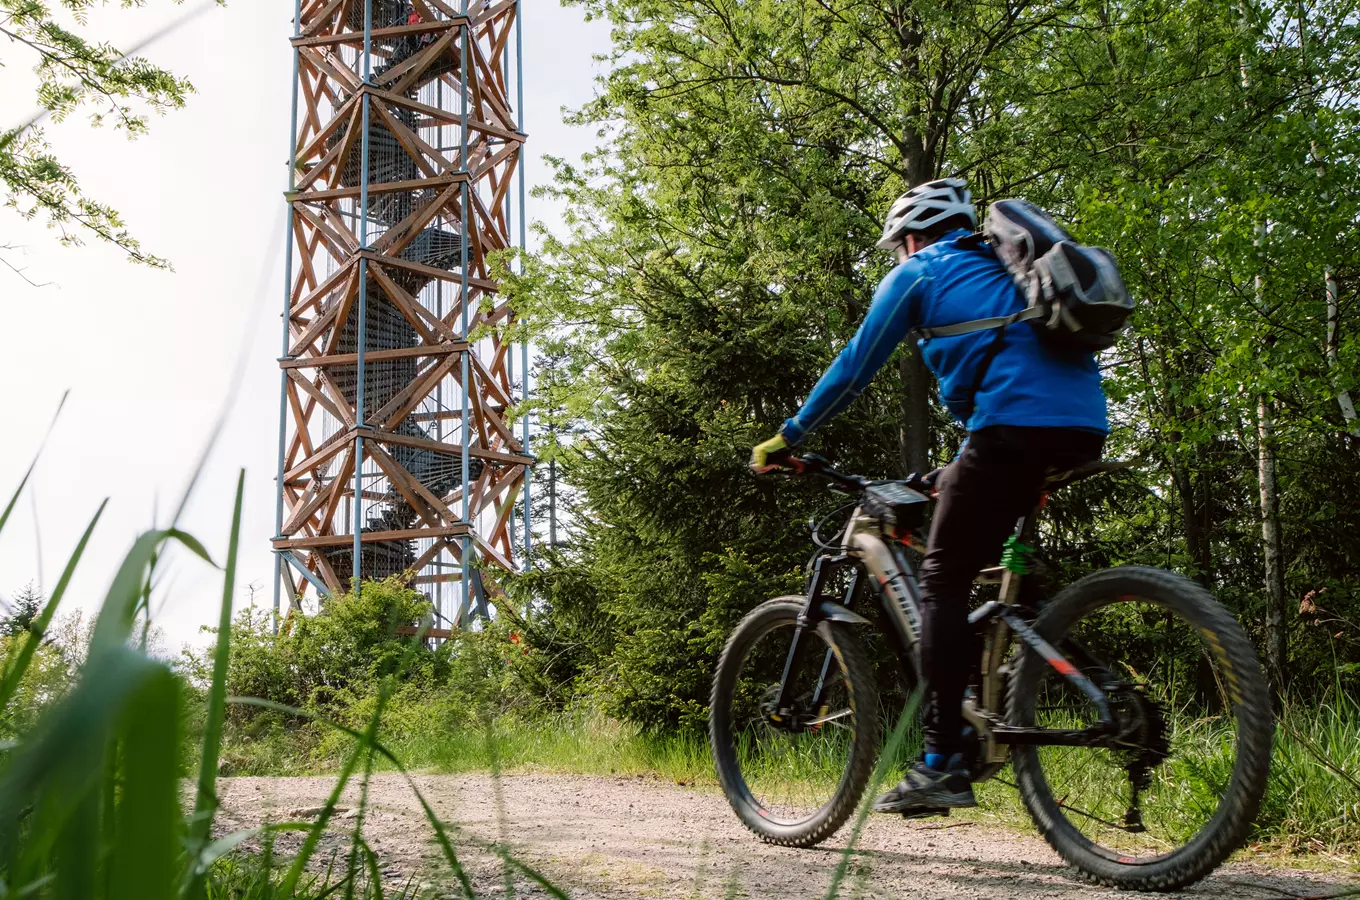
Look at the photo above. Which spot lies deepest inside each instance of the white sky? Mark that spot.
(148, 355)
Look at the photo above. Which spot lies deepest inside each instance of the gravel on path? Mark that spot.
(618, 837)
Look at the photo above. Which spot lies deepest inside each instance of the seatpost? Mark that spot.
(1015, 557)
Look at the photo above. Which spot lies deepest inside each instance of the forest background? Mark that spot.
(721, 252)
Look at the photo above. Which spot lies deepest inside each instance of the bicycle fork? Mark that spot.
(819, 608)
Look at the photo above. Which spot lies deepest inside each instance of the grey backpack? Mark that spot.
(1075, 297)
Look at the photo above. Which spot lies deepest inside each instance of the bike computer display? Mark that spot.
(896, 506)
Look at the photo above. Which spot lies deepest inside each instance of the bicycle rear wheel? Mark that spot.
(1179, 789)
(793, 778)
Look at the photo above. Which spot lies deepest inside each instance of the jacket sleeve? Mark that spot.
(896, 310)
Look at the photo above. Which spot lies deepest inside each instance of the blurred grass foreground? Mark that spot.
(92, 766)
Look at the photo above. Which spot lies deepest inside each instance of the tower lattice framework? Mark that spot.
(397, 452)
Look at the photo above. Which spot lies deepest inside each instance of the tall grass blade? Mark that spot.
(205, 805)
(61, 764)
(9, 507)
(145, 850)
(492, 754)
(290, 882)
(77, 851)
(440, 832)
(365, 746)
(14, 672)
(357, 836)
(364, 750)
(534, 875)
(885, 762)
(374, 876)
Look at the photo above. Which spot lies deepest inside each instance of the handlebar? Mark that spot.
(812, 464)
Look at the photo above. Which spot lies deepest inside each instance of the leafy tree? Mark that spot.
(324, 660)
(75, 73)
(22, 610)
(719, 252)
(48, 678)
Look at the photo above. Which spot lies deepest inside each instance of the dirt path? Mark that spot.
(625, 837)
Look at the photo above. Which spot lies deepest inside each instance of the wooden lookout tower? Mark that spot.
(397, 451)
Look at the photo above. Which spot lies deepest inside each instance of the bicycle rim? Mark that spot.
(793, 766)
(1166, 783)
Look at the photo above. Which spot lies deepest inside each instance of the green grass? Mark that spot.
(1312, 804)
(90, 805)
(583, 743)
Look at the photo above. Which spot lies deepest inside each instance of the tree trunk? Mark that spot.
(914, 434)
(1343, 396)
(918, 166)
(552, 503)
(1277, 637)
(1195, 519)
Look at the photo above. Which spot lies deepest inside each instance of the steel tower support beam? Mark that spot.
(279, 562)
(524, 245)
(405, 146)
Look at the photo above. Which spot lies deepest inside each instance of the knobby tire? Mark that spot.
(1238, 807)
(851, 656)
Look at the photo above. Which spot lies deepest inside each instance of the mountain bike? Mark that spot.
(1131, 706)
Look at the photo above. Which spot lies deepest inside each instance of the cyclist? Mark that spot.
(1027, 408)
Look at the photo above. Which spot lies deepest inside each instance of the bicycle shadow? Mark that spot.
(891, 872)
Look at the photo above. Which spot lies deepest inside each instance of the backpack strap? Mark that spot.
(980, 373)
(1000, 323)
(975, 241)
(969, 327)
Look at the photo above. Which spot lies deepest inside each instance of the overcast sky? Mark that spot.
(148, 355)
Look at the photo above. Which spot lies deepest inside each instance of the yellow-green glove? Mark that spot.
(771, 455)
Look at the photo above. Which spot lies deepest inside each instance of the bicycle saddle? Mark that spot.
(1056, 480)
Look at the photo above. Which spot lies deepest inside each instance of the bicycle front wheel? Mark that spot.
(1176, 788)
(793, 777)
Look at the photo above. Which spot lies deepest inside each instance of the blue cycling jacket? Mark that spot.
(1028, 383)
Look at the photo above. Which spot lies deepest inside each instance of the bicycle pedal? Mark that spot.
(925, 812)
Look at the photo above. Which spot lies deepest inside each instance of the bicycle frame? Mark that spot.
(867, 549)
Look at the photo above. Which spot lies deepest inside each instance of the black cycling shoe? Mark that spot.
(929, 792)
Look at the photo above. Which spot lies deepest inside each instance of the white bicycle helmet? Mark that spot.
(924, 206)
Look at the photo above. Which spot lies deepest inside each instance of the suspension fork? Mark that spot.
(811, 615)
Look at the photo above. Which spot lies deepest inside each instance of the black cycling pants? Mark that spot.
(995, 480)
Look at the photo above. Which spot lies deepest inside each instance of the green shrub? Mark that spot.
(328, 661)
(47, 679)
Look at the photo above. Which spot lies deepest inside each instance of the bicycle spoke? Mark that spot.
(1158, 783)
(793, 760)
